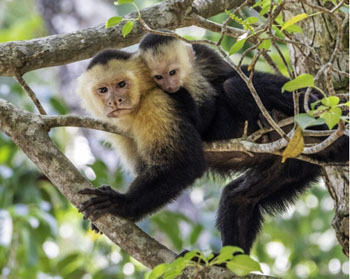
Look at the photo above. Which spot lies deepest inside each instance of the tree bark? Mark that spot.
(23, 56)
(320, 32)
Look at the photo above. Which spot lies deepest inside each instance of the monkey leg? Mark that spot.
(269, 188)
(239, 217)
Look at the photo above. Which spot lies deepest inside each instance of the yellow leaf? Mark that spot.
(295, 146)
(294, 20)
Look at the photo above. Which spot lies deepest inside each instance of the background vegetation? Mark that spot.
(43, 236)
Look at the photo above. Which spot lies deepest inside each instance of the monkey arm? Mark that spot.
(171, 167)
(151, 190)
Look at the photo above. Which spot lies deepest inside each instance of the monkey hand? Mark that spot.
(106, 201)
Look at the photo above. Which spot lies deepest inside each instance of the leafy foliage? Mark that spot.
(239, 264)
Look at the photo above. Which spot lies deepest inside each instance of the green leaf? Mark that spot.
(113, 21)
(332, 117)
(278, 31)
(294, 29)
(237, 46)
(265, 9)
(158, 271)
(190, 255)
(226, 254)
(265, 44)
(313, 105)
(279, 19)
(230, 249)
(304, 120)
(251, 19)
(304, 80)
(121, 2)
(294, 20)
(242, 265)
(331, 101)
(127, 28)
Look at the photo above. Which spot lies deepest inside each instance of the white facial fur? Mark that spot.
(170, 65)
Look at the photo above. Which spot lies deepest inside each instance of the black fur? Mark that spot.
(155, 41)
(186, 104)
(107, 55)
(267, 186)
(175, 164)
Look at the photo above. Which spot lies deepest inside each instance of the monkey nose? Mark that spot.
(171, 89)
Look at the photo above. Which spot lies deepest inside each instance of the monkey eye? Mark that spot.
(172, 72)
(102, 90)
(158, 77)
(121, 84)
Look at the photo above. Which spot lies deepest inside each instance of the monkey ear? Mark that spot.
(190, 52)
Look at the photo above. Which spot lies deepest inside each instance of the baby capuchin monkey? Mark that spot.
(174, 64)
(223, 99)
(164, 150)
(208, 78)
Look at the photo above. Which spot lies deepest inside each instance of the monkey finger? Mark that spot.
(91, 202)
(97, 207)
(98, 214)
(106, 188)
(102, 191)
(87, 191)
(94, 228)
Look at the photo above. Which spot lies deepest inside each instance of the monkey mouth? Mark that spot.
(172, 90)
(119, 112)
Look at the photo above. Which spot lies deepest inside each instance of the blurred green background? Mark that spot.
(43, 236)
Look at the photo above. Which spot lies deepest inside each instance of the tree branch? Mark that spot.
(30, 133)
(23, 56)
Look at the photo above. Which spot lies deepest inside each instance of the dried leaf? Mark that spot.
(295, 146)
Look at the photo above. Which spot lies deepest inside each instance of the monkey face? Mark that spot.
(116, 97)
(170, 64)
(168, 78)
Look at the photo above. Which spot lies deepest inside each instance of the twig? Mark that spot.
(79, 121)
(329, 83)
(245, 130)
(227, 21)
(30, 93)
(239, 145)
(327, 142)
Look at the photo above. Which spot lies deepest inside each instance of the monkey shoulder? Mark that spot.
(161, 130)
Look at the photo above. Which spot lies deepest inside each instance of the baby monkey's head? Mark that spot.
(169, 60)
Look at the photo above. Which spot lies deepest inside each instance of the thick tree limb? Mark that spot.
(30, 133)
(23, 56)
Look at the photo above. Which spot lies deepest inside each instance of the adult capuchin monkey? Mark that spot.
(267, 185)
(164, 150)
